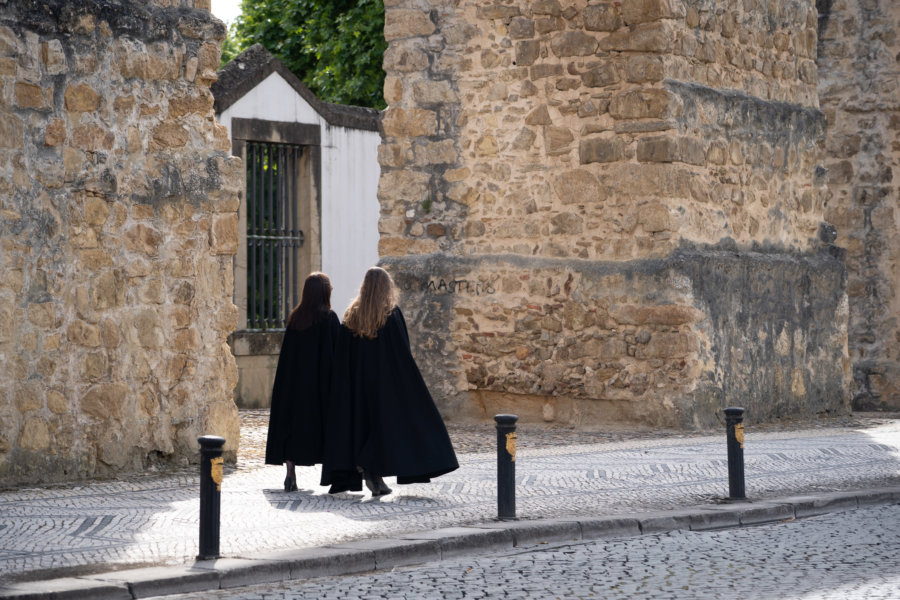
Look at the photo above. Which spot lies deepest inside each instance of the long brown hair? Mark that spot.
(315, 303)
(373, 305)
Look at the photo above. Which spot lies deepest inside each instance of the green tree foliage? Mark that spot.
(335, 47)
(230, 47)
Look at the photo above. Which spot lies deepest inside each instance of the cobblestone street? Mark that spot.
(152, 520)
(850, 556)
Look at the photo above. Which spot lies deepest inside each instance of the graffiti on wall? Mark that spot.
(459, 286)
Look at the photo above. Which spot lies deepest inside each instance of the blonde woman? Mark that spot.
(382, 420)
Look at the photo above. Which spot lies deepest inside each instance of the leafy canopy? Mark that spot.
(335, 47)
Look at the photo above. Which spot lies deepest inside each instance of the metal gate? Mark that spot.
(274, 237)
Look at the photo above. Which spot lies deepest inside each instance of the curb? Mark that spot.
(368, 555)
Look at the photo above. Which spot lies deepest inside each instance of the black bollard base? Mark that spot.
(506, 467)
(734, 432)
(210, 494)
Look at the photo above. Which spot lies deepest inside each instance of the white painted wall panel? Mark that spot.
(273, 100)
(350, 210)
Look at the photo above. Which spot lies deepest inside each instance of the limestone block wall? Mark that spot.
(860, 95)
(118, 226)
(572, 192)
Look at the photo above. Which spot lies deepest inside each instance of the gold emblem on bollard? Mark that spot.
(216, 471)
(739, 434)
(511, 445)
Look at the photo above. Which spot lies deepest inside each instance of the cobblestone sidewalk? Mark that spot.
(152, 520)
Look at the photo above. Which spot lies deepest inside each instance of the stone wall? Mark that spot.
(118, 226)
(860, 95)
(613, 210)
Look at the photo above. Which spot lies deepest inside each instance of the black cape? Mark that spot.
(382, 417)
(300, 393)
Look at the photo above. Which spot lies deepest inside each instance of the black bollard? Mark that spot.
(210, 494)
(506, 467)
(734, 431)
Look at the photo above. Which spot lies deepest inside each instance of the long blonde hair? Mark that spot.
(373, 305)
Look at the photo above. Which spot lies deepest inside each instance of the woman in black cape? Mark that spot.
(382, 420)
(302, 381)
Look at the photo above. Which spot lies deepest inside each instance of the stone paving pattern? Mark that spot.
(152, 520)
(845, 556)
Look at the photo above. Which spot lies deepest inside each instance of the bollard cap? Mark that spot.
(211, 441)
(734, 411)
(506, 419)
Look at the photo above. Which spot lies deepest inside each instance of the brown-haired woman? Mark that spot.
(302, 381)
(382, 420)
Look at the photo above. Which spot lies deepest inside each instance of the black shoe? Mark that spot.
(371, 483)
(290, 484)
(383, 489)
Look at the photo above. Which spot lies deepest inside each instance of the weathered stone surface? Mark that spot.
(497, 11)
(104, 400)
(539, 116)
(92, 138)
(28, 398)
(81, 98)
(11, 130)
(641, 104)
(443, 152)
(856, 79)
(604, 16)
(558, 140)
(195, 104)
(399, 122)
(601, 76)
(402, 59)
(548, 276)
(649, 37)
(56, 133)
(524, 139)
(643, 11)
(600, 150)
(578, 187)
(434, 92)
(35, 435)
(169, 135)
(29, 95)
(527, 52)
(83, 334)
(399, 23)
(566, 223)
(521, 28)
(654, 218)
(541, 71)
(112, 167)
(486, 145)
(643, 69)
(143, 239)
(573, 43)
(224, 235)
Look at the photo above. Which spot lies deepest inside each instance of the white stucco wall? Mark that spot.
(273, 100)
(350, 173)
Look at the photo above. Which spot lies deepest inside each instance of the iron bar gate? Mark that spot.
(274, 237)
